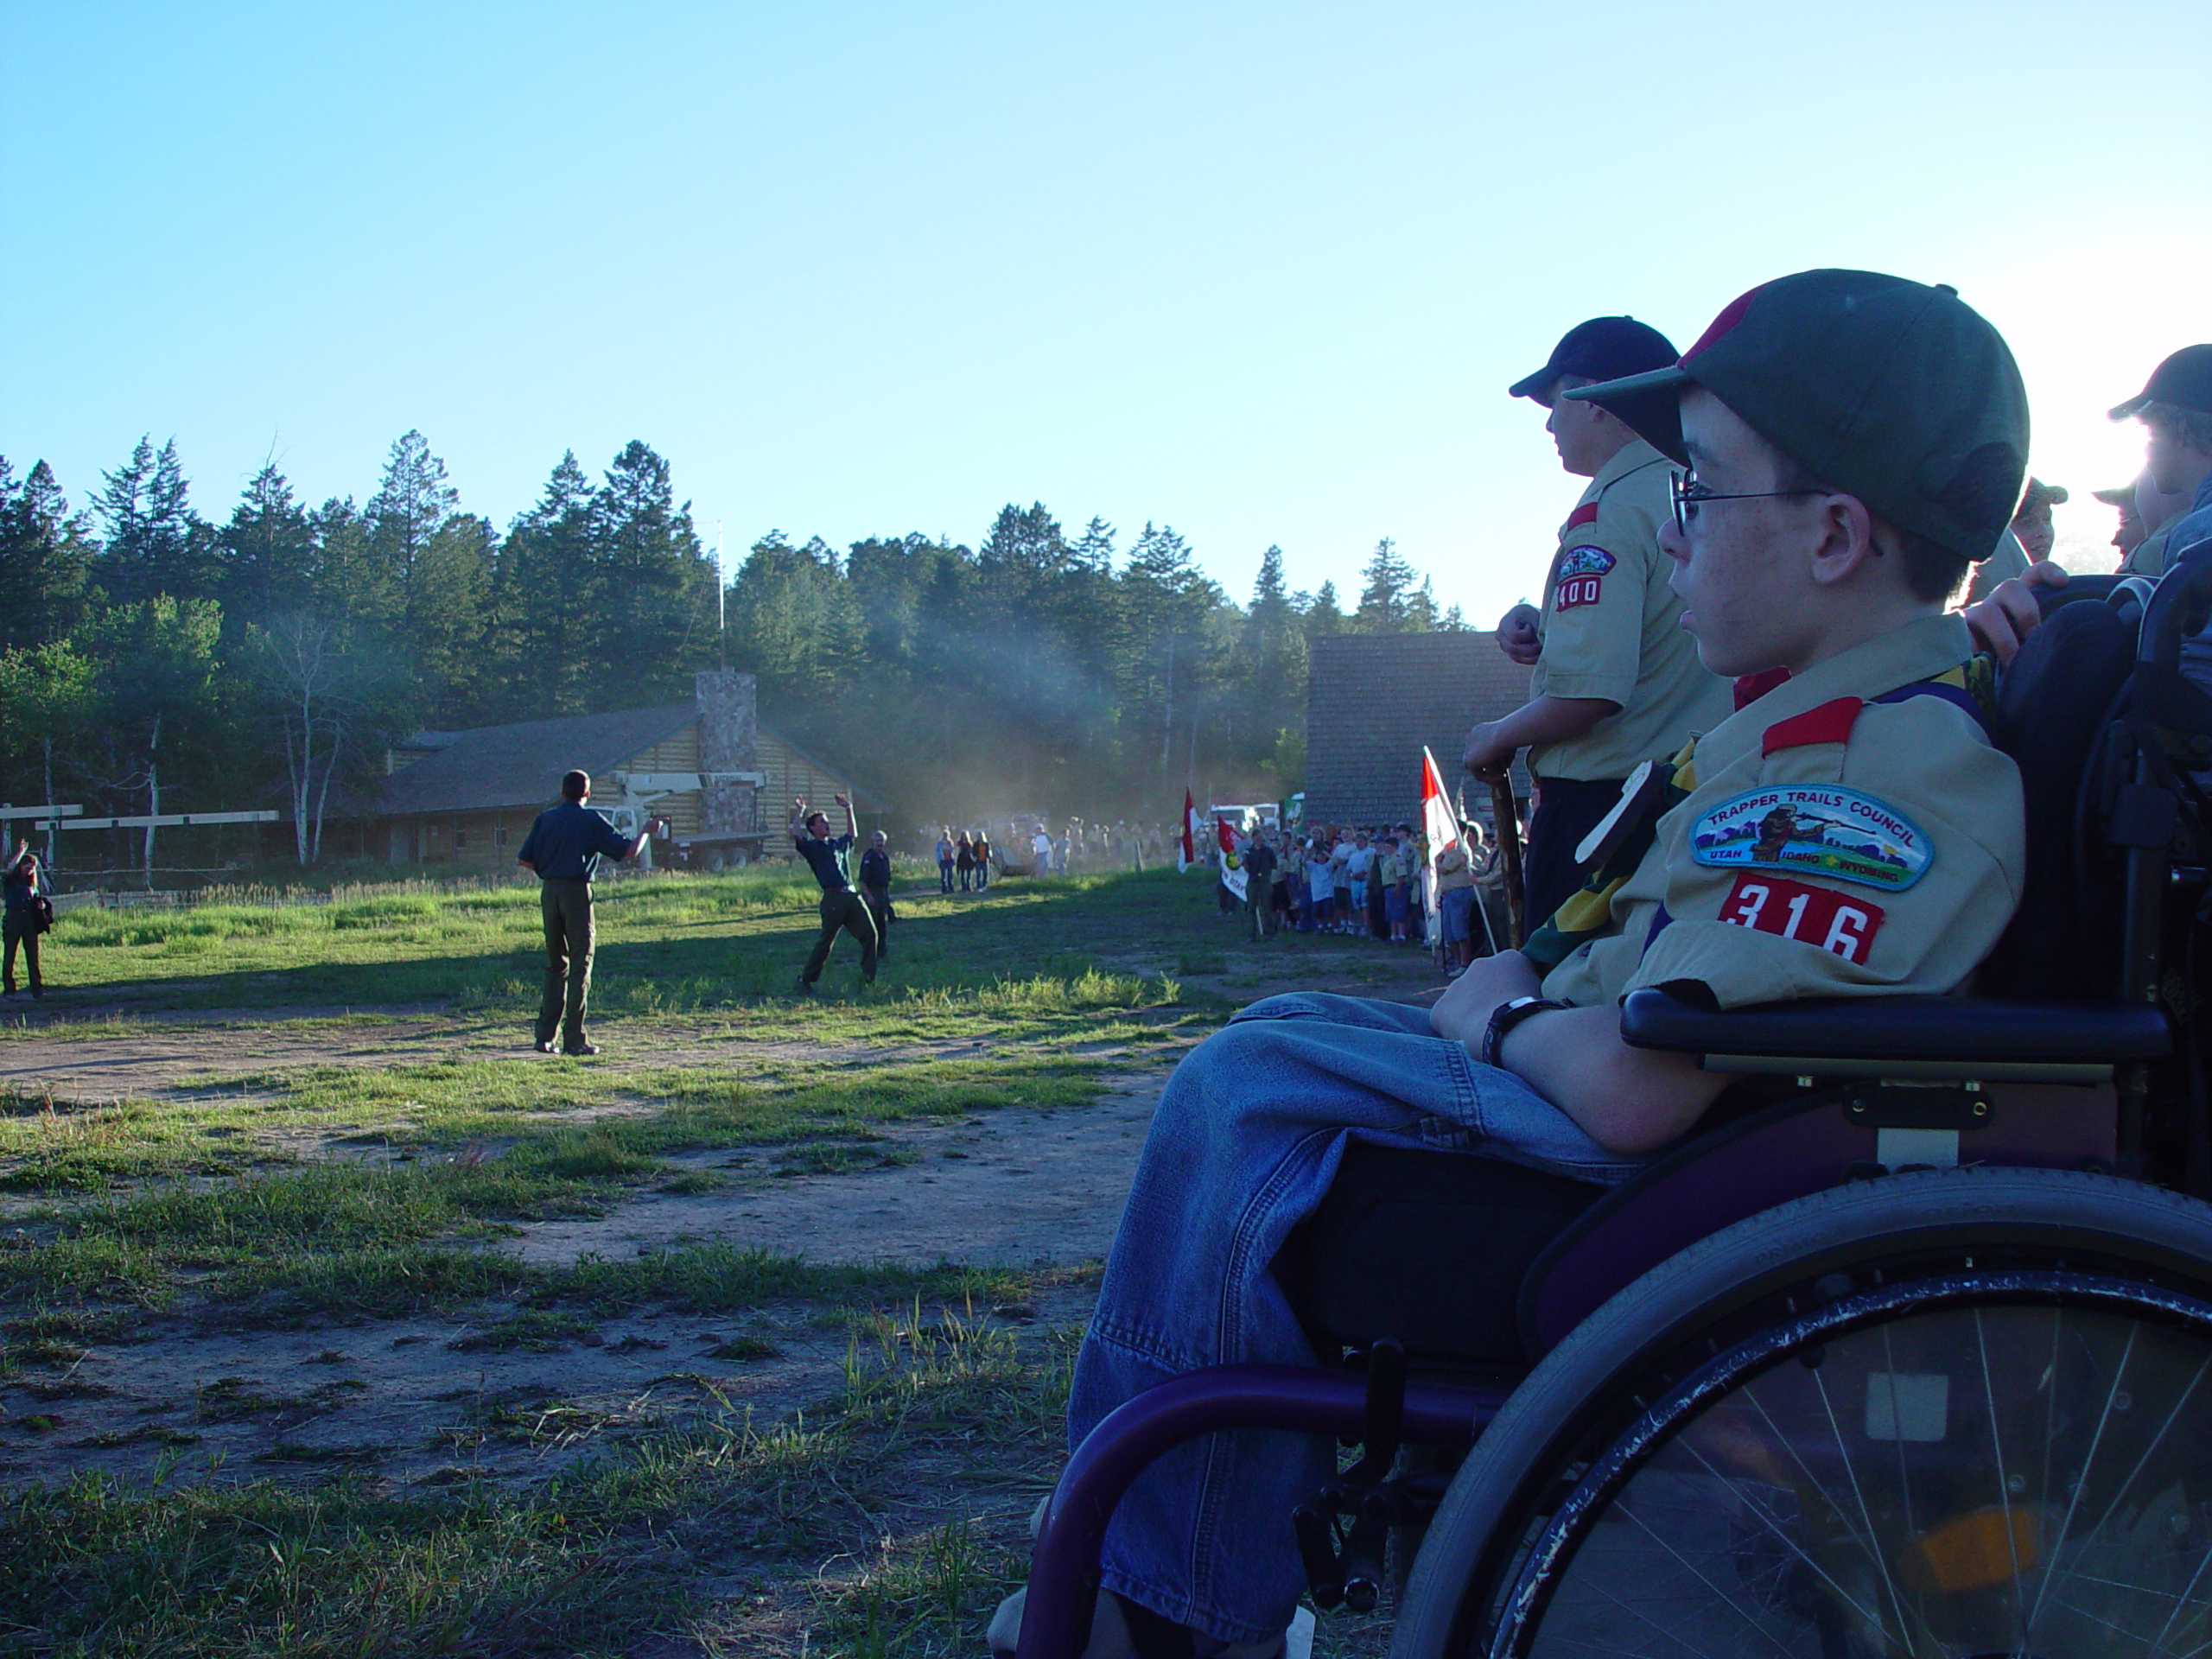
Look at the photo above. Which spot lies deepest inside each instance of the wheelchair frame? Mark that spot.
(1913, 1071)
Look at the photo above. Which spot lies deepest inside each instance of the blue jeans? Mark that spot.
(944, 875)
(1245, 1142)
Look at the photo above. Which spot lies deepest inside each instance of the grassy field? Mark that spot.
(334, 1321)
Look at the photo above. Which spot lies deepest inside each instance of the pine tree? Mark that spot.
(658, 583)
(43, 559)
(1386, 603)
(1324, 616)
(439, 564)
(548, 590)
(266, 555)
(155, 544)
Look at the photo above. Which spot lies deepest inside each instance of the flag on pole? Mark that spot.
(1186, 852)
(1232, 873)
(1440, 825)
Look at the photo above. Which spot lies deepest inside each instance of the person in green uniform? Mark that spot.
(1617, 681)
(564, 847)
(842, 907)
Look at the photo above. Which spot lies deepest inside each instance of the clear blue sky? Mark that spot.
(1261, 272)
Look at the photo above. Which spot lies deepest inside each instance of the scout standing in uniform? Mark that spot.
(1852, 443)
(564, 847)
(1617, 681)
(841, 907)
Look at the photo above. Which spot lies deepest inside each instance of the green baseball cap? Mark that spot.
(1894, 392)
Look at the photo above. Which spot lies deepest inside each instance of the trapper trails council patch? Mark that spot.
(1816, 830)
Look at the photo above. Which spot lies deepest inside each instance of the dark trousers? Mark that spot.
(1566, 810)
(565, 907)
(877, 899)
(1259, 904)
(850, 911)
(21, 927)
(944, 875)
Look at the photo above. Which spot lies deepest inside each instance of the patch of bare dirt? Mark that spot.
(420, 1400)
(1014, 1187)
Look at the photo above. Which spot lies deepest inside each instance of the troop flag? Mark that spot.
(1232, 873)
(1440, 824)
(1186, 851)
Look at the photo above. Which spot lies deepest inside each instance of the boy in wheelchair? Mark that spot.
(1851, 444)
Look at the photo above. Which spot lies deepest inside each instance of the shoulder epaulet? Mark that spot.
(1831, 722)
(1585, 514)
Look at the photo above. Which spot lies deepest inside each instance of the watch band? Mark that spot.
(1507, 1015)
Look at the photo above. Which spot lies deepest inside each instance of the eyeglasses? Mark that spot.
(1688, 495)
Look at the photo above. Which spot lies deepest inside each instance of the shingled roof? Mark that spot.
(1372, 700)
(488, 767)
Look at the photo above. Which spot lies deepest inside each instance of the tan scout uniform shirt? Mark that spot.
(1828, 847)
(2010, 560)
(2148, 557)
(1611, 628)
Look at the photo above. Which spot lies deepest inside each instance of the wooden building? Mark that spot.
(1372, 700)
(469, 796)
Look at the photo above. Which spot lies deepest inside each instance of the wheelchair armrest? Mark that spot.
(1905, 1036)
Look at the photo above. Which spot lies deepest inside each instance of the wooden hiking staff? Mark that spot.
(1506, 814)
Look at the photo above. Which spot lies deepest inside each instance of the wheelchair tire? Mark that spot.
(1654, 1407)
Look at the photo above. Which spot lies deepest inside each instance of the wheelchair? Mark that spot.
(1904, 1353)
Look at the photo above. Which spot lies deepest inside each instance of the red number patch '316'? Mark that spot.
(1796, 910)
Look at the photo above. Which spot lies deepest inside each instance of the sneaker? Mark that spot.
(544, 1046)
(580, 1051)
(804, 987)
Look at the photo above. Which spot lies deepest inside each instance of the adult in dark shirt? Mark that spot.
(564, 847)
(875, 890)
(21, 921)
(1260, 885)
(841, 907)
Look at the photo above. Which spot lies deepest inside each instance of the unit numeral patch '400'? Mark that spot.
(1582, 577)
(1797, 910)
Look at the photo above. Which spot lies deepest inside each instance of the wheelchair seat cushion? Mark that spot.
(1429, 1248)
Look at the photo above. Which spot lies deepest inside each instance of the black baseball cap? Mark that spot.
(2184, 380)
(1895, 391)
(1604, 348)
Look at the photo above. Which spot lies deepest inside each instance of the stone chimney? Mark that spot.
(729, 725)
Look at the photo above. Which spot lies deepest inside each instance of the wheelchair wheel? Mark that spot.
(1944, 1415)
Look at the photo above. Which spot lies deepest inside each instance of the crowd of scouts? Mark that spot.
(1365, 883)
(1757, 723)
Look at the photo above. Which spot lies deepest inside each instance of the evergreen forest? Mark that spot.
(153, 659)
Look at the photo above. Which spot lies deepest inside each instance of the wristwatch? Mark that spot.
(1507, 1015)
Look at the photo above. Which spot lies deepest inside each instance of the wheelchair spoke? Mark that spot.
(1851, 1601)
(2081, 1481)
(1726, 1600)
(2158, 1641)
(1859, 1496)
(1773, 1503)
(2004, 1486)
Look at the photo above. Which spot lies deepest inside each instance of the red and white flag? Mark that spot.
(1232, 875)
(1186, 851)
(1440, 825)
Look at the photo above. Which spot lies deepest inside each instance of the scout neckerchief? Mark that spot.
(1588, 913)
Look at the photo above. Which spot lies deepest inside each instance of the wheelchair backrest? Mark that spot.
(2054, 705)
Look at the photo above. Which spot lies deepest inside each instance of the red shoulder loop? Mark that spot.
(1585, 514)
(1829, 723)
